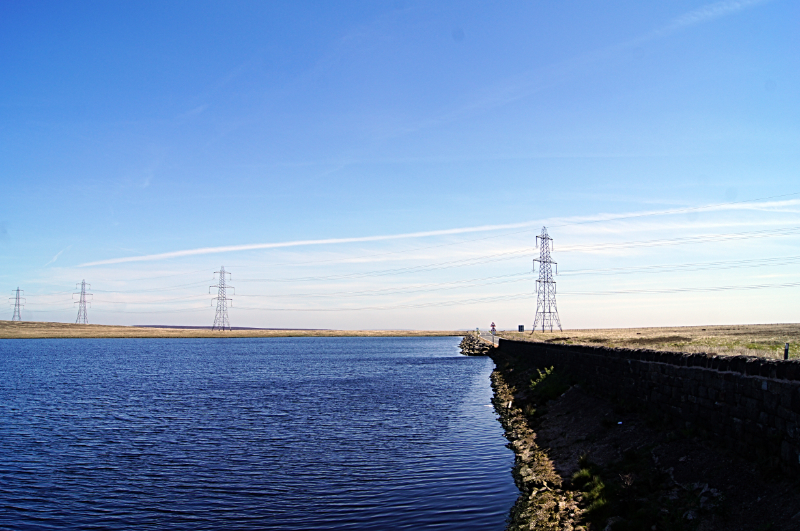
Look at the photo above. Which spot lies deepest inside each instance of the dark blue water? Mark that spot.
(309, 433)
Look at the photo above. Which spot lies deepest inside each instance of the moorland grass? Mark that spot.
(765, 340)
(41, 330)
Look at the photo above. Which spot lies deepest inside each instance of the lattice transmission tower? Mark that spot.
(221, 321)
(83, 317)
(546, 310)
(19, 303)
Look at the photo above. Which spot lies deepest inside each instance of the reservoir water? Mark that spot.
(279, 433)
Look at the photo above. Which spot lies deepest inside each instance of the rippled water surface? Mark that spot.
(294, 433)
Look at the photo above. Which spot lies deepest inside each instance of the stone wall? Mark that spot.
(750, 405)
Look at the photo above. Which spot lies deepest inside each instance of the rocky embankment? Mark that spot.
(472, 345)
(542, 503)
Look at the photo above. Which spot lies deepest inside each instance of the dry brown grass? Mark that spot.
(752, 340)
(36, 330)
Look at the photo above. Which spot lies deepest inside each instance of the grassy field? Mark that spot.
(36, 330)
(752, 340)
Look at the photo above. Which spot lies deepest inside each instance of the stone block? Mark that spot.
(738, 363)
(784, 413)
(770, 401)
(752, 367)
(772, 436)
(706, 404)
(783, 370)
(785, 392)
(787, 452)
(751, 408)
(791, 370)
(769, 368)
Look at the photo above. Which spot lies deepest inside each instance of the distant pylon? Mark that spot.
(221, 321)
(83, 317)
(19, 302)
(546, 311)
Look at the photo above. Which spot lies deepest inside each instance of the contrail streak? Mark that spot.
(762, 203)
(298, 243)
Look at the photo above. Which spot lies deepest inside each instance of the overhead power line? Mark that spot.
(424, 288)
(674, 211)
(404, 251)
(158, 301)
(398, 306)
(402, 270)
(509, 255)
(695, 266)
(789, 231)
(149, 290)
(685, 290)
(180, 310)
(518, 296)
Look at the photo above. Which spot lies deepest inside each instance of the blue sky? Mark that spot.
(132, 130)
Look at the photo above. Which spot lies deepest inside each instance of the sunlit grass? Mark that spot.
(751, 340)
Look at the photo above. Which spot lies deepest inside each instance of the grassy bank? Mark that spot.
(37, 330)
(766, 340)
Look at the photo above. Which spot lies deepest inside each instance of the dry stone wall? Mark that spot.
(750, 405)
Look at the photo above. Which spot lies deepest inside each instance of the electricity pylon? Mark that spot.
(546, 311)
(221, 321)
(19, 302)
(83, 318)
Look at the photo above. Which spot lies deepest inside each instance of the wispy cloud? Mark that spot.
(57, 255)
(710, 12)
(298, 243)
(197, 110)
(755, 205)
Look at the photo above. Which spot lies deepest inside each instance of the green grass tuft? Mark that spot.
(548, 385)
